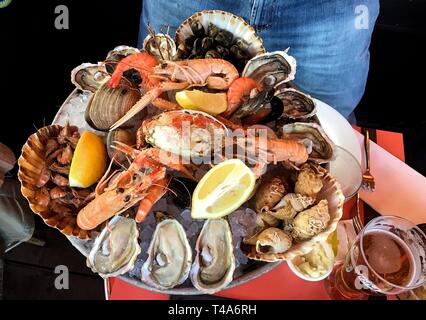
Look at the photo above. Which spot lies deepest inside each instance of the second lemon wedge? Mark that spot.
(211, 103)
(89, 161)
(222, 190)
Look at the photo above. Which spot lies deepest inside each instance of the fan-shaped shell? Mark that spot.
(226, 21)
(333, 193)
(31, 163)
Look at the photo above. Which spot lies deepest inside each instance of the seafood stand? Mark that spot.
(112, 175)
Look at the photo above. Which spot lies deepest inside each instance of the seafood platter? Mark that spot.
(143, 169)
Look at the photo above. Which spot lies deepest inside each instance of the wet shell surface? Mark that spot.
(332, 192)
(319, 145)
(120, 135)
(88, 77)
(271, 69)
(214, 264)
(170, 256)
(226, 21)
(31, 164)
(108, 105)
(115, 250)
(297, 105)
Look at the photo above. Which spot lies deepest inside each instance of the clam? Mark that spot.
(318, 144)
(214, 263)
(297, 105)
(170, 255)
(271, 69)
(115, 250)
(108, 105)
(88, 77)
(120, 135)
(160, 46)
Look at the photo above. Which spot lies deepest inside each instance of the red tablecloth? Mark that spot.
(278, 284)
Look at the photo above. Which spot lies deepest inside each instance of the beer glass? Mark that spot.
(388, 256)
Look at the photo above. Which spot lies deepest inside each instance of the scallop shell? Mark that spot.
(31, 162)
(226, 21)
(334, 195)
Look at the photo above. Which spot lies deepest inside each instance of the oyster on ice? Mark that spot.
(319, 145)
(115, 250)
(169, 255)
(214, 264)
(88, 77)
(310, 222)
(271, 69)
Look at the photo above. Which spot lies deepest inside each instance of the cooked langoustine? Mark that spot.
(146, 172)
(180, 75)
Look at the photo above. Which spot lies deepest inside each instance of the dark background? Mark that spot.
(36, 60)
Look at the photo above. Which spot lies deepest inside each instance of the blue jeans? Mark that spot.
(328, 38)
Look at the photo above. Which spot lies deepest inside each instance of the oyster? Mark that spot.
(290, 205)
(88, 77)
(214, 264)
(108, 105)
(310, 222)
(160, 46)
(271, 69)
(309, 181)
(115, 250)
(319, 145)
(297, 105)
(170, 255)
(273, 240)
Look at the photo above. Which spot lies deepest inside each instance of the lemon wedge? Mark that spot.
(222, 190)
(89, 161)
(334, 242)
(211, 103)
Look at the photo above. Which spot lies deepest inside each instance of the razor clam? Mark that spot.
(88, 77)
(297, 105)
(319, 145)
(271, 69)
(214, 264)
(115, 250)
(170, 255)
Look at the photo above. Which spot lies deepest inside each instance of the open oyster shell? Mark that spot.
(271, 68)
(31, 163)
(170, 255)
(226, 21)
(319, 145)
(115, 250)
(214, 263)
(88, 77)
(297, 105)
(332, 192)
